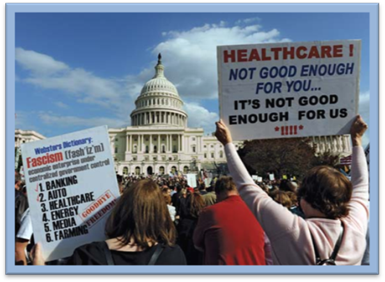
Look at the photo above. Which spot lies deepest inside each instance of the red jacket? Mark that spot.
(229, 234)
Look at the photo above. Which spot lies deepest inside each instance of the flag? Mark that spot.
(346, 160)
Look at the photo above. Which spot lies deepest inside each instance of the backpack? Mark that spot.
(332, 259)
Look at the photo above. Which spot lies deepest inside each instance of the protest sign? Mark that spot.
(254, 177)
(192, 180)
(291, 89)
(71, 187)
(271, 176)
(259, 179)
(207, 182)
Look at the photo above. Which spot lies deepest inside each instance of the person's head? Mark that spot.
(273, 191)
(325, 190)
(282, 198)
(195, 203)
(293, 198)
(225, 187)
(17, 180)
(183, 193)
(167, 198)
(165, 191)
(141, 216)
(178, 187)
(286, 185)
(202, 187)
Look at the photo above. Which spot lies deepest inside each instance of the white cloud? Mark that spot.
(199, 116)
(48, 73)
(61, 105)
(37, 63)
(248, 20)
(68, 121)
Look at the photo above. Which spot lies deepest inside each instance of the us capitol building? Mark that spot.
(158, 140)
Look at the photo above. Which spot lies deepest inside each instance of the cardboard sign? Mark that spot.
(71, 187)
(291, 89)
(192, 180)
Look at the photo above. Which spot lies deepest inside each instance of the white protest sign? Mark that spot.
(291, 89)
(192, 180)
(71, 187)
(207, 182)
(271, 176)
(259, 179)
(254, 177)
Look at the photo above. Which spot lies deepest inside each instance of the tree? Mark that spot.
(326, 158)
(293, 156)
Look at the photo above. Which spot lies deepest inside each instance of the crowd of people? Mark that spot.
(161, 220)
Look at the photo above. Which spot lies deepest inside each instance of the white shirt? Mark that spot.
(172, 212)
(25, 231)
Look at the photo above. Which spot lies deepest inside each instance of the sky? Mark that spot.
(75, 71)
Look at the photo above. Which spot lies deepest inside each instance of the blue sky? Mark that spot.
(75, 71)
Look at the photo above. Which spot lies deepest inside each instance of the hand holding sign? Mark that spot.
(223, 133)
(357, 130)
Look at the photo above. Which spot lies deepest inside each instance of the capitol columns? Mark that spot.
(127, 136)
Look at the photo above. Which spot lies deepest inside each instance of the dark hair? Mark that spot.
(286, 185)
(119, 178)
(141, 215)
(17, 177)
(165, 191)
(224, 184)
(327, 190)
(202, 186)
(273, 190)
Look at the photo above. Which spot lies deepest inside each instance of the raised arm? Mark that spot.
(237, 170)
(360, 180)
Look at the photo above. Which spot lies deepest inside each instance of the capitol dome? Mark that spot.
(159, 102)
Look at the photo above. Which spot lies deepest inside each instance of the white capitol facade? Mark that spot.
(158, 140)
